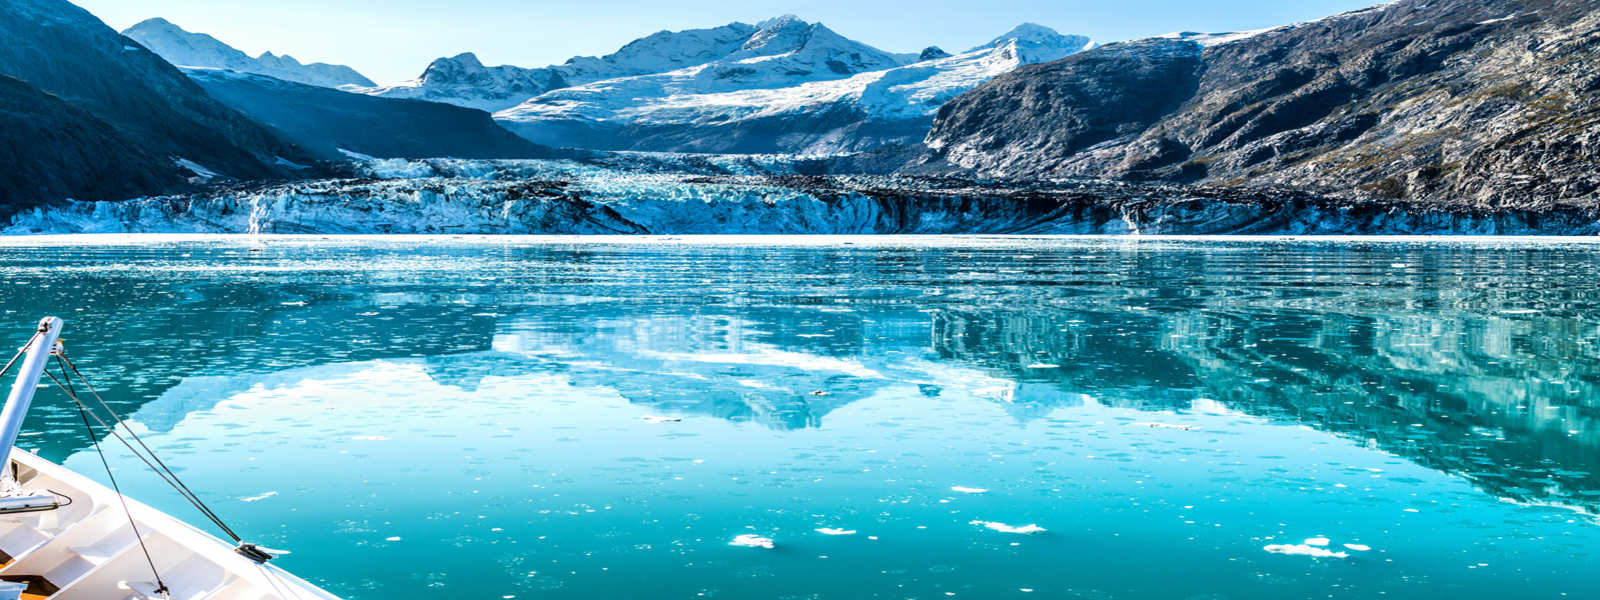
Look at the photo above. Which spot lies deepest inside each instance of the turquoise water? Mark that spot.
(527, 418)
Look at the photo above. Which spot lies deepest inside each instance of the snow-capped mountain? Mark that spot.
(796, 87)
(463, 80)
(186, 49)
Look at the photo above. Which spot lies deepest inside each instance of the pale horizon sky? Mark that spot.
(391, 41)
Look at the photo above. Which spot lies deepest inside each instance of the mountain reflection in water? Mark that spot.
(1476, 359)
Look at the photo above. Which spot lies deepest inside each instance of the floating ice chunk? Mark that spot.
(259, 497)
(294, 303)
(658, 419)
(392, 538)
(1358, 547)
(371, 438)
(751, 540)
(834, 531)
(968, 490)
(1043, 366)
(1154, 425)
(1004, 528)
(1316, 541)
(1304, 550)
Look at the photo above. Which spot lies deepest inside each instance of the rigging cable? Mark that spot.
(171, 477)
(161, 586)
(250, 551)
(18, 355)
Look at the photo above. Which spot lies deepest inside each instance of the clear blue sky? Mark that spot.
(393, 40)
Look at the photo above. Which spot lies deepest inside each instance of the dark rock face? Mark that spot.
(932, 52)
(1477, 103)
(53, 150)
(68, 53)
(1039, 112)
(325, 120)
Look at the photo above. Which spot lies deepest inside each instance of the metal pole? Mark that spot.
(22, 390)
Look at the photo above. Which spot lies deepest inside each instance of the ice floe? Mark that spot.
(1004, 528)
(968, 490)
(751, 540)
(1313, 547)
(659, 419)
(258, 497)
(1154, 425)
(835, 531)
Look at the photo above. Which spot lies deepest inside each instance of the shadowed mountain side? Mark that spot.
(326, 121)
(53, 150)
(62, 49)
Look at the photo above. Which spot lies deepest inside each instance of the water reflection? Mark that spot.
(1478, 360)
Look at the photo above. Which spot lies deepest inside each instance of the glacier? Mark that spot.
(685, 194)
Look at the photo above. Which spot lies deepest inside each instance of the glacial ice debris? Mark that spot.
(1178, 426)
(664, 195)
(1028, 529)
(751, 540)
(1315, 547)
(835, 531)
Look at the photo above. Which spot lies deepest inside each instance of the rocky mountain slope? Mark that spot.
(334, 124)
(463, 80)
(794, 93)
(1480, 103)
(186, 49)
(137, 102)
(52, 149)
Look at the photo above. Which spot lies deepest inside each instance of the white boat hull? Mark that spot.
(86, 550)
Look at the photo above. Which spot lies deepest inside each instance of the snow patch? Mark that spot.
(356, 155)
(200, 171)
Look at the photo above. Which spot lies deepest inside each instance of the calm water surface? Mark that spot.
(414, 417)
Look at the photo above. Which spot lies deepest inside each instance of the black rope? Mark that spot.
(113, 431)
(174, 481)
(18, 355)
(161, 586)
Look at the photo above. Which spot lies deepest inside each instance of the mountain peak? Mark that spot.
(1038, 43)
(780, 21)
(932, 52)
(154, 23)
(465, 59)
(779, 35)
(192, 49)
